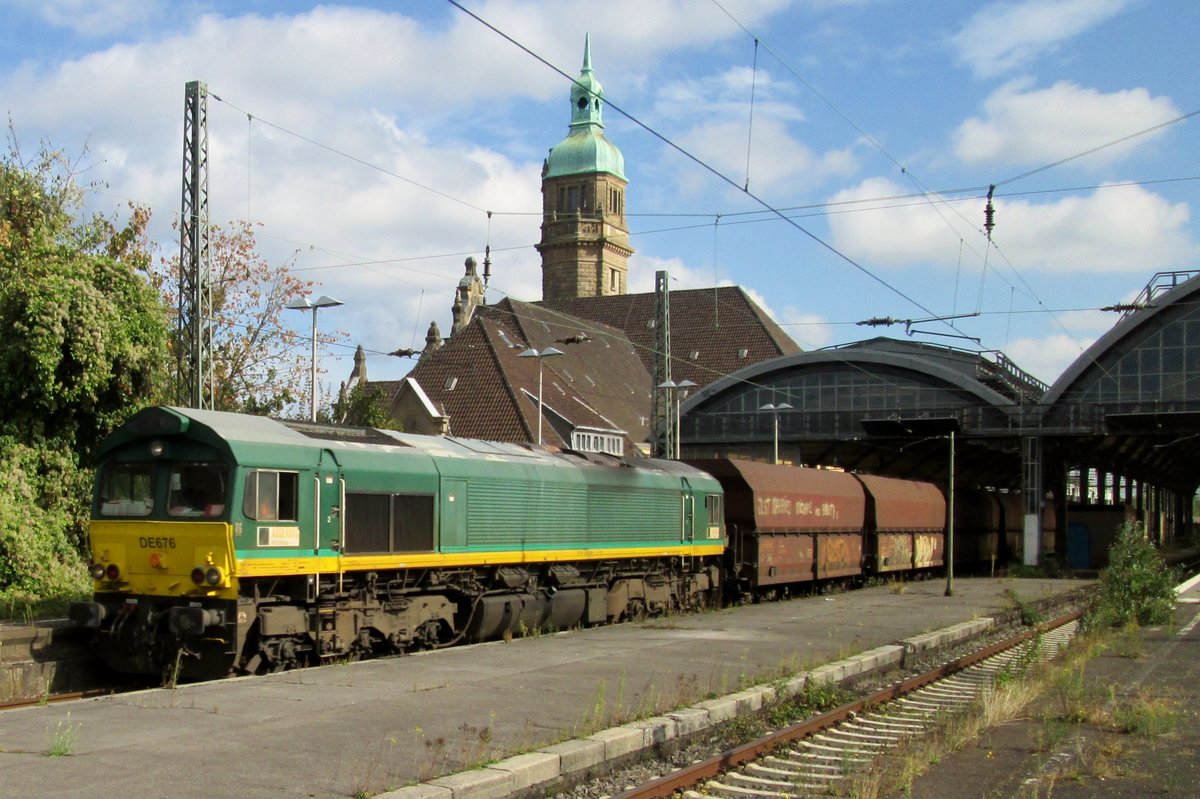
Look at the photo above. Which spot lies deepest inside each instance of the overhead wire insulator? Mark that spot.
(989, 213)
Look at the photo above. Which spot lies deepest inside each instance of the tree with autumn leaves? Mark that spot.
(259, 365)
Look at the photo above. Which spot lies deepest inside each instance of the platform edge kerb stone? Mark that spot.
(530, 768)
(484, 783)
(576, 755)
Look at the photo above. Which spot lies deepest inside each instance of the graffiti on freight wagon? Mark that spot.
(768, 506)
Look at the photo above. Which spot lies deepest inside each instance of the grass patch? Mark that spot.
(1146, 717)
(22, 608)
(63, 741)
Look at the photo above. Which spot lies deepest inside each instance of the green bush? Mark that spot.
(1137, 587)
(43, 513)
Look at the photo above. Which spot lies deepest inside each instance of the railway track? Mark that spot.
(50, 699)
(812, 757)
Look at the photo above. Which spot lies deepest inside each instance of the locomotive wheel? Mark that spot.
(634, 611)
(432, 634)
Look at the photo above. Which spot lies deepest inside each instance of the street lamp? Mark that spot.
(682, 387)
(668, 444)
(775, 409)
(546, 353)
(303, 305)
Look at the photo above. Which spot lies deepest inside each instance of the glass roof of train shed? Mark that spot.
(1130, 404)
(884, 406)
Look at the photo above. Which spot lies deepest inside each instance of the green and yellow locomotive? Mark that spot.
(223, 542)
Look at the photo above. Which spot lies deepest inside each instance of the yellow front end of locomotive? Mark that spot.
(178, 559)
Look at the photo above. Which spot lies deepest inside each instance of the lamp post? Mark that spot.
(310, 304)
(775, 409)
(949, 556)
(682, 387)
(546, 353)
(668, 444)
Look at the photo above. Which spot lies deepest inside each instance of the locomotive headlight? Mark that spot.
(113, 571)
(97, 571)
(157, 448)
(210, 576)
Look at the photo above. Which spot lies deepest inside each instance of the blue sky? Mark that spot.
(876, 128)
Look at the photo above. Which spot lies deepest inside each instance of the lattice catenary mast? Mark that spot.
(660, 422)
(194, 388)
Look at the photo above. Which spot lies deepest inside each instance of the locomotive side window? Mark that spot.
(127, 489)
(714, 505)
(271, 496)
(197, 489)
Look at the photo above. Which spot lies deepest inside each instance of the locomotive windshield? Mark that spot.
(198, 489)
(127, 489)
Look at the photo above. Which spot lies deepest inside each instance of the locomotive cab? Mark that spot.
(163, 568)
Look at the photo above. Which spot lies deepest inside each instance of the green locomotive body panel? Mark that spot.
(310, 498)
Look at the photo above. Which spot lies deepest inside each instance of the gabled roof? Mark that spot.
(479, 380)
(599, 378)
(714, 332)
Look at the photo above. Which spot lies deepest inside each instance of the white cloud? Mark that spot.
(1022, 125)
(811, 331)
(714, 122)
(909, 234)
(1121, 229)
(1117, 229)
(779, 164)
(1001, 37)
(1047, 358)
(92, 17)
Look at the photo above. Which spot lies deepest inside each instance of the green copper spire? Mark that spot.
(585, 150)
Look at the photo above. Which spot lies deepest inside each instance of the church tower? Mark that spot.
(585, 240)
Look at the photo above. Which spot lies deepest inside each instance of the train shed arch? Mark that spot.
(1121, 426)
(884, 406)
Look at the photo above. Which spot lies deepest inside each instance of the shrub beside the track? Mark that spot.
(1137, 587)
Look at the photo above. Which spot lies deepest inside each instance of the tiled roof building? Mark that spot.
(478, 380)
(714, 332)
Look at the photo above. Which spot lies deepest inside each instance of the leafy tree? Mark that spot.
(1137, 587)
(259, 365)
(365, 404)
(85, 336)
(85, 345)
(44, 499)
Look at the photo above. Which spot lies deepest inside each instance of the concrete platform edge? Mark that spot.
(540, 768)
